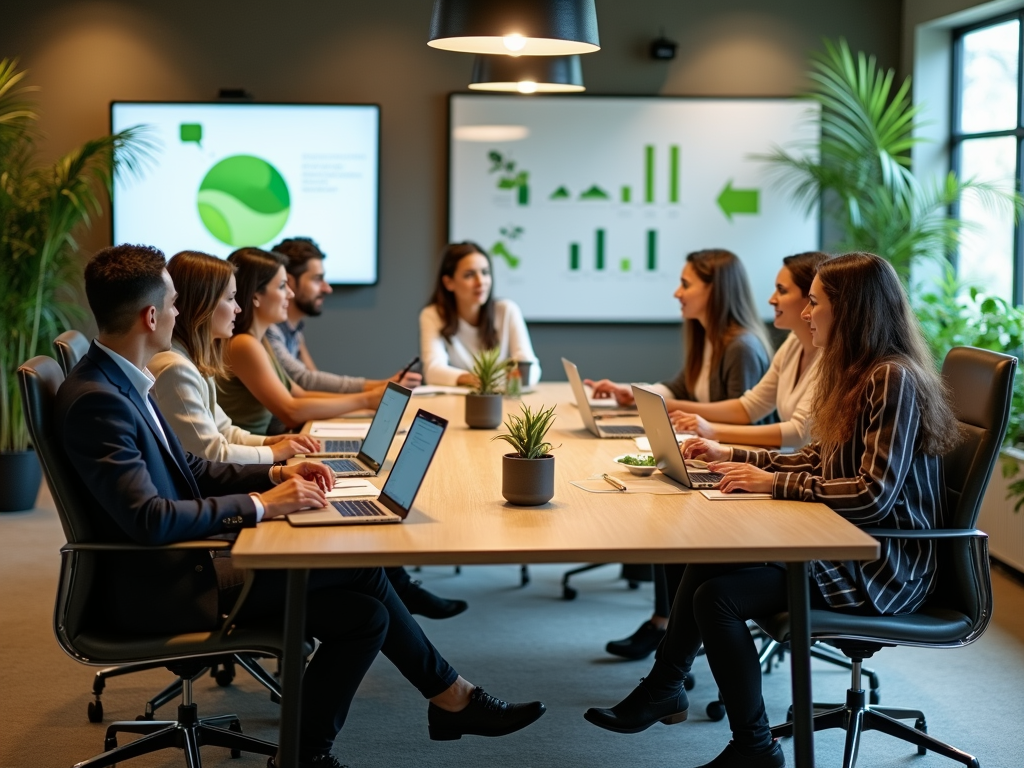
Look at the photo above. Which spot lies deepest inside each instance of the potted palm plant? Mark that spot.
(483, 404)
(41, 207)
(528, 474)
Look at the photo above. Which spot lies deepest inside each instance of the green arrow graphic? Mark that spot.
(738, 200)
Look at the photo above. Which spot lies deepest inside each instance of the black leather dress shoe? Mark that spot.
(732, 757)
(420, 601)
(483, 716)
(320, 761)
(639, 711)
(640, 644)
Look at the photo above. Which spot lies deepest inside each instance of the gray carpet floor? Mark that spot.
(520, 644)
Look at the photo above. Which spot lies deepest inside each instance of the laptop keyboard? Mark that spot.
(344, 465)
(622, 430)
(342, 446)
(705, 477)
(358, 509)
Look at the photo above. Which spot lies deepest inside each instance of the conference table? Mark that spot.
(460, 518)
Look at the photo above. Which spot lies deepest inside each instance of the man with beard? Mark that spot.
(305, 270)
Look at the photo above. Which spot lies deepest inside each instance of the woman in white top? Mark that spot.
(465, 319)
(185, 390)
(787, 388)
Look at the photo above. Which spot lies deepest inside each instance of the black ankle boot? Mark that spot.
(733, 757)
(649, 703)
(640, 644)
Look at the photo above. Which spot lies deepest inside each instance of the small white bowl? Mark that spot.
(639, 471)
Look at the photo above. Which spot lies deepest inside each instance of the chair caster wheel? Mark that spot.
(874, 697)
(633, 584)
(109, 743)
(224, 677)
(921, 726)
(95, 711)
(715, 711)
(568, 593)
(689, 682)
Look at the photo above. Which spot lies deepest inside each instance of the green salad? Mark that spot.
(638, 461)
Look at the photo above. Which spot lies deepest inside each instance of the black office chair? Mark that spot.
(86, 563)
(72, 346)
(960, 608)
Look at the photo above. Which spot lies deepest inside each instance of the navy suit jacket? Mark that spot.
(148, 493)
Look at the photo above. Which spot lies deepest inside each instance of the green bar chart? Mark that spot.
(574, 256)
(649, 173)
(599, 250)
(652, 250)
(673, 173)
(627, 193)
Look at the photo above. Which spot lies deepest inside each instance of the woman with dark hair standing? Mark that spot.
(787, 388)
(727, 353)
(464, 319)
(185, 374)
(256, 393)
(882, 424)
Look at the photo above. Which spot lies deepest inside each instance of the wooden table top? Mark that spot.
(460, 517)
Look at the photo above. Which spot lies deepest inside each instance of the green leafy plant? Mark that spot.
(489, 372)
(859, 170)
(638, 461)
(41, 208)
(526, 433)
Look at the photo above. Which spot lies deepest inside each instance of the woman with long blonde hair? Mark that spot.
(882, 423)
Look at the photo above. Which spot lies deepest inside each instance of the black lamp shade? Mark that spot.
(527, 74)
(515, 27)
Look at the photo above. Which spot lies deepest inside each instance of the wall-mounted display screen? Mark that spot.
(588, 205)
(225, 176)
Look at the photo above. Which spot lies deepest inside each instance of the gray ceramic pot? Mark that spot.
(483, 411)
(527, 482)
(20, 478)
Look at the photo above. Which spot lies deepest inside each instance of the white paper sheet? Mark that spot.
(437, 389)
(644, 445)
(336, 429)
(351, 488)
(716, 495)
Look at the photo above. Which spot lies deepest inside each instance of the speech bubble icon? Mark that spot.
(192, 132)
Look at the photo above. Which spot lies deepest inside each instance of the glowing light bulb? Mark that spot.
(514, 42)
(526, 86)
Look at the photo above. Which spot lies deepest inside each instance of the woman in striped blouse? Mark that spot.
(882, 423)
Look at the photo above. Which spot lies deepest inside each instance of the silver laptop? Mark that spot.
(662, 435)
(398, 493)
(587, 413)
(373, 449)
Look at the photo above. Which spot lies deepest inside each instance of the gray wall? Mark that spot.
(85, 54)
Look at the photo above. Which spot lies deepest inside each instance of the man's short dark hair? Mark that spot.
(299, 251)
(121, 281)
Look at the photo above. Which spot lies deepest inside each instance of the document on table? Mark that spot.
(334, 429)
(351, 488)
(437, 389)
(659, 485)
(716, 495)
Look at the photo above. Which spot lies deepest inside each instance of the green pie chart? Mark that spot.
(244, 200)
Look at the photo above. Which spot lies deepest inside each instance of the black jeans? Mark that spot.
(712, 606)
(354, 613)
(666, 583)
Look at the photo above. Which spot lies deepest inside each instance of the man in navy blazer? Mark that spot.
(145, 488)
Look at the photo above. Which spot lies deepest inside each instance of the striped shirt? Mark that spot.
(879, 478)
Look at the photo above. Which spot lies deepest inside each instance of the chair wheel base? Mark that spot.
(95, 711)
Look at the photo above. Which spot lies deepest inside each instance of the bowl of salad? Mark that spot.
(642, 464)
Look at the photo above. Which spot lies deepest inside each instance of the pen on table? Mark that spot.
(614, 483)
(408, 367)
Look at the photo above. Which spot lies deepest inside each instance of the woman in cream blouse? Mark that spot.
(465, 319)
(185, 389)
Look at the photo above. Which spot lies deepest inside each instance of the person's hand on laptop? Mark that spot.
(739, 476)
(286, 446)
(704, 449)
(691, 422)
(622, 393)
(302, 486)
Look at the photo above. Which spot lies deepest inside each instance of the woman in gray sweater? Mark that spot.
(727, 353)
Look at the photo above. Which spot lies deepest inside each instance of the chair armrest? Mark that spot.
(936, 533)
(206, 544)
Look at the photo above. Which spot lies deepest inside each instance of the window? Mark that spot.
(988, 128)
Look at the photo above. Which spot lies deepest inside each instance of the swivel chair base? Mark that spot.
(857, 716)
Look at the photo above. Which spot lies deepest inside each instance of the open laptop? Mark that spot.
(398, 493)
(587, 413)
(662, 435)
(373, 449)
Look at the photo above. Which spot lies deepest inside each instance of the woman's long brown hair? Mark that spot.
(731, 310)
(444, 299)
(256, 268)
(873, 324)
(200, 280)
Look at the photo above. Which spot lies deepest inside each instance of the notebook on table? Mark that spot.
(399, 492)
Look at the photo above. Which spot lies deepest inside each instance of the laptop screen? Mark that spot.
(385, 425)
(413, 460)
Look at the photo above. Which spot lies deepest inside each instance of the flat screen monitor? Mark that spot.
(226, 176)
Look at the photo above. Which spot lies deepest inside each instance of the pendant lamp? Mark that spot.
(527, 74)
(515, 27)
